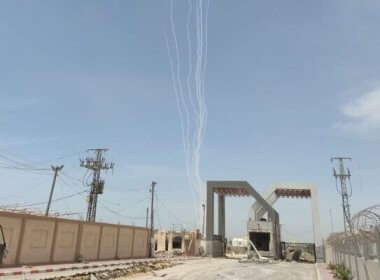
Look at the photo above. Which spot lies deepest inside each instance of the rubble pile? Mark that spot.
(297, 254)
(116, 272)
(259, 261)
(167, 255)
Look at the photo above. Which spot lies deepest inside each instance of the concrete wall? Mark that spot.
(160, 236)
(369, 255)
(39, 240)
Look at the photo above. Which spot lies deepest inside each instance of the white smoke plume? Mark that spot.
(192, 108)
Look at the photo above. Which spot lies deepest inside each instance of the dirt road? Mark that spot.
(215, 269)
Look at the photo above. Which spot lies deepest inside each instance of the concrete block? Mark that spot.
(108, 243)
(124, 249)
(37, 241)
(140, 242)
(90, 241)
(65, 243)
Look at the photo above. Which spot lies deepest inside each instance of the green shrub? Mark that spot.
(340, 272)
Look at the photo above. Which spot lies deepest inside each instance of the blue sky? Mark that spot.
(288, 85)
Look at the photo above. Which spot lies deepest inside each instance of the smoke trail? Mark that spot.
(190, 58)
(197, 117)
(199, 81)
(176, 75)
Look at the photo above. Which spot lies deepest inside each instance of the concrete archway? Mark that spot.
(292, 190)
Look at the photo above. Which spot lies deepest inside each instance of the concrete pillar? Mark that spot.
(209, 220)
(221, 217)
(170, 242)
(183, 243)
(315, 217)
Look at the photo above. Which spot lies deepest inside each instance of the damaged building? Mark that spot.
(177, 242)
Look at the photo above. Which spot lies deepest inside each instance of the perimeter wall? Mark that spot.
(42, 240)
(363, 262)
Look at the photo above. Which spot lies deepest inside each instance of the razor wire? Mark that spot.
(366, 223)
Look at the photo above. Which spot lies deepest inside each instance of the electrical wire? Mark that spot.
(61, 157)
(158, 214)
(25, 165)
(7, 166)
(25, 189)
(63, 180)
(117, 213)
(294, 234)
(167, 210)
(128, 205)
(116, 189)
(45, 202)
(65, 201)
(72, 180)
(135, 203)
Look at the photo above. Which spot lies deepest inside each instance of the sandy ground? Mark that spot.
(211, 269)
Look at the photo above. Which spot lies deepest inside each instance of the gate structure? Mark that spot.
(287, 190)
(215, 244)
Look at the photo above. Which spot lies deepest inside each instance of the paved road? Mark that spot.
(216, 269)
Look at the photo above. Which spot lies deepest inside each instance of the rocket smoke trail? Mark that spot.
(193, 120)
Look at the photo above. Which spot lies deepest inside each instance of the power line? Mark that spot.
(71, 179)
(41, 203)
(61, 157)
(168, 211)
(66, 183)
(26, 189)
(26, 165)
(7, 166)
(126, 189)
(296, 234)
(65, 201)
(158, 214)
(128, 205)
(118, 214)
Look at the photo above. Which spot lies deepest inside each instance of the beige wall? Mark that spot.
(108, 243)
(66, 240)
(38, 240)
(90, 242)
(124, 248)
(140, 243)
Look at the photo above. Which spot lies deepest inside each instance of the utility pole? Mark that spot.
(331, 219)
(343, 178)
(55, 169)
(203, 220)
(95, 164)
(147, 215)
(152, 220)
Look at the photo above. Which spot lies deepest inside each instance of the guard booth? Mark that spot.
(215, 244)
(289, 190)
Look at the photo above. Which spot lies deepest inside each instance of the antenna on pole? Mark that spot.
(343, 178)
(95, 164)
